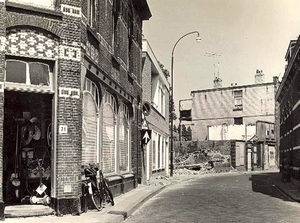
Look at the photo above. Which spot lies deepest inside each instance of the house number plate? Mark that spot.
(63, 129)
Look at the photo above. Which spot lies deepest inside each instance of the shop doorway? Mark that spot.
(27, 148)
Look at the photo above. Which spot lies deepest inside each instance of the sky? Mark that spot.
(237, 38)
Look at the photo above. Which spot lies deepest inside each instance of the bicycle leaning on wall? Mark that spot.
(97, 189)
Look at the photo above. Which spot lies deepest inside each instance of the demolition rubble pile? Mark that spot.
(159, 180)
(191, 164)
(199, 162)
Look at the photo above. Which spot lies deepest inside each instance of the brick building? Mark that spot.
(156, 92)
(235, 104)
(70, 86)
(245, 113)
(288, 96)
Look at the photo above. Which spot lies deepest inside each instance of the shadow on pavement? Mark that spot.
(262, 183)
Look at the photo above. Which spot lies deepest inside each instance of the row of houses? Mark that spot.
(74, 76)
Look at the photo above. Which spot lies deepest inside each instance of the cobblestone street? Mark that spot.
(229, 197)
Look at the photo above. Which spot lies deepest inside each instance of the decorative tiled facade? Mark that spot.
(30, 42)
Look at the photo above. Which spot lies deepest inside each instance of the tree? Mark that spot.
(186, 133)
(174, 128)
(172, 114)
(183, 132)
(164, 70)
(189, 134)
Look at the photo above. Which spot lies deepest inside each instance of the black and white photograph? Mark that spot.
(147, 111)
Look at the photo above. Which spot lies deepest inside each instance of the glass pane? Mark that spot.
(108, 140)
(123, 145)
(238, 93)
(89, 130)
(16, 71)
(39, 74)
(40, 3)
(238, 101)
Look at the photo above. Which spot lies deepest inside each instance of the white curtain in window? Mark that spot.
(123, 144)
(108, 143)
(89, 130)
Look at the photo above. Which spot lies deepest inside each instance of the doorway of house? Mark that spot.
(27, 147)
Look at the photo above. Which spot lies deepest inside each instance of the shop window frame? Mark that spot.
(27, 84)
(125, 116)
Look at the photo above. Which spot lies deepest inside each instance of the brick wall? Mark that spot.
(69, 112)
(78, 45)
(216, 107)
(156, 121)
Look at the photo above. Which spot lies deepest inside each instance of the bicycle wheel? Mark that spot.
(97, 199)
(108, 193)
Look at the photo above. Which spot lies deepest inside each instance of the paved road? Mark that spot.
(222, 198)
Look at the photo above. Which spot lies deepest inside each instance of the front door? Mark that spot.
(26, 146)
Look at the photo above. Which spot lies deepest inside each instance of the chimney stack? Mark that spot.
(217, 82)
(259, 77)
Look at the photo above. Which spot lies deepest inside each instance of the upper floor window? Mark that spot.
(159, 95)
(91, 13)
(238, 99)
(40, 3)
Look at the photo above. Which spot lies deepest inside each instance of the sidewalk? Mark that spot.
(125, 205)
(290, 189)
